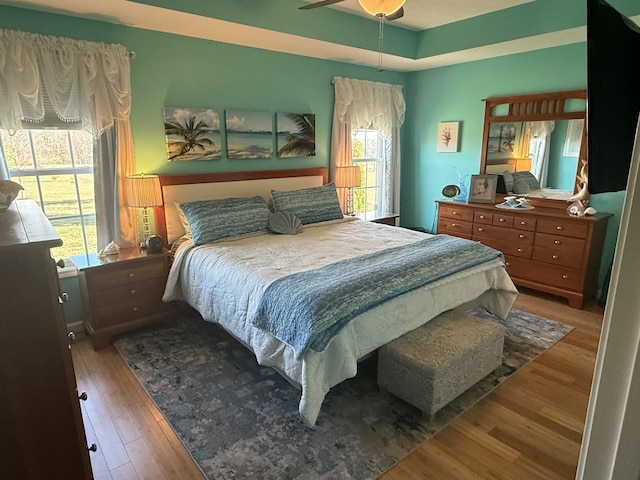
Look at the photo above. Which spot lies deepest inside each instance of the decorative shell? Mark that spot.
(285, 222)
(8, 192)
(590, 211)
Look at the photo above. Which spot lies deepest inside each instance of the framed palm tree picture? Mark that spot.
(296, 135)
(249, 134)
(192, 134)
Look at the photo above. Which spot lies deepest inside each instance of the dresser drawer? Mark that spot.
(543, 273)
(481, 216)
(501, 220)
(562, 227)
(567, 258)
(455, 227)
(524, 223)
(508, 248)
(510, 235)
(558, 242)
(127, 273)
(457, 212)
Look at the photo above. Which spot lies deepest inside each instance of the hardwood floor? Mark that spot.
(530, 427)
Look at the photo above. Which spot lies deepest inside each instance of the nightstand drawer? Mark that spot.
(123, 313)
(127, 273)
(149, 291)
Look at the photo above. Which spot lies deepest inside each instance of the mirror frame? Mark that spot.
(532, 108)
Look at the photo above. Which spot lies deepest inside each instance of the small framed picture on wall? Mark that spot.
(448, 136)
(483, 188)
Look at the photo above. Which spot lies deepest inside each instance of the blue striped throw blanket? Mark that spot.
(307, 309)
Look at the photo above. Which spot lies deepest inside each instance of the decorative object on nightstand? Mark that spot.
(451, 191)
(122, 292)
(143, 191)
(154, 244)
(8, 192)
(348, 177)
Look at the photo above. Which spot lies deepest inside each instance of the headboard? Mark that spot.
(205, 186)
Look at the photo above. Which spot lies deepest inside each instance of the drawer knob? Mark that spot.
(521, 235)
(559, 228)
(135, 309)
(454, 212)
(557, 242)
(482, 217)
(565, 276)
(454, 224)
(520, 250)
(133, 291)
(83, 396)
(502, 219)
(93, 447)
(131, 274)
(480, 229)
(507, 264)
(555, 257)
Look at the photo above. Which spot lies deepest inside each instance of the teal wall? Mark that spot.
(172, 70)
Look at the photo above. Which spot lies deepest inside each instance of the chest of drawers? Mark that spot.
(122, 292)
(544, 249)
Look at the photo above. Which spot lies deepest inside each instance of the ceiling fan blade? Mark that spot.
(395, 15)
(322, 3)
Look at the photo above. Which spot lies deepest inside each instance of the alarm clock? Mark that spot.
(154, 244)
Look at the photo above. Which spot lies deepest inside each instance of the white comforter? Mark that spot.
(224, 282)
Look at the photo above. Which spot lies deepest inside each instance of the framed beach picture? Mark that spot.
(192, 134)
(249, 134)
(448, 137)
(483, 188)
(296, 134)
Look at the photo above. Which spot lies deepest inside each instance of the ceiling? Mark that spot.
(172, 16)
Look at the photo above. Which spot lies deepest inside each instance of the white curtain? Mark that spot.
(540, 160)
(79, 81)
(369, 105)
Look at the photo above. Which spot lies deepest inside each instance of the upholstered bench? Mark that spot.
(433, 364)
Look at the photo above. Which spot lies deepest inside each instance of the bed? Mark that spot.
(229, 280)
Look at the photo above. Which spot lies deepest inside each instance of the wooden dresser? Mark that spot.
(122, 292)
(544, 248)
(42, 431)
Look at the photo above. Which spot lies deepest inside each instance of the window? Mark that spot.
(55, 167)
(368, 147)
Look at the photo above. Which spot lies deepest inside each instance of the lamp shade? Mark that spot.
(381, 7)
(347, 177)
(143, 191)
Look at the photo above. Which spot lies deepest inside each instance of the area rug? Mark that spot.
(239, 420)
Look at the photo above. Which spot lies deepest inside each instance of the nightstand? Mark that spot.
(386, 218)
(122, 292)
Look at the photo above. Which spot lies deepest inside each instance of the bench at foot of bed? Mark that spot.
(433, 364)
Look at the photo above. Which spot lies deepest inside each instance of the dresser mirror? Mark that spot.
(539, 133)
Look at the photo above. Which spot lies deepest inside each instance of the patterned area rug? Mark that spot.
(240, 420)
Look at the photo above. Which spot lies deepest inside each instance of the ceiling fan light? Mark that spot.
(381, 7)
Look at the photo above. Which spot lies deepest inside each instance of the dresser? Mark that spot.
(544, 248)
(42, 430)
(122, 292)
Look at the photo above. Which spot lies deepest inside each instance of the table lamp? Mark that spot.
(143, 191)
(348, 177)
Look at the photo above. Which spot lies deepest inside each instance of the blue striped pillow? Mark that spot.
(310, 205)
(212, 220)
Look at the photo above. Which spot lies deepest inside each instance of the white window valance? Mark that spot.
(80, 81)
(375, 105)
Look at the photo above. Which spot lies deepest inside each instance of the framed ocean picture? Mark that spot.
(192, 133)
(249, 134)
(296, 134)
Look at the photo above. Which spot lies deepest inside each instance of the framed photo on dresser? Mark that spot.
(483, 188)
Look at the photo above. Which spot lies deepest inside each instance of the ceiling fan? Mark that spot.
(387, 9)
(382, 9)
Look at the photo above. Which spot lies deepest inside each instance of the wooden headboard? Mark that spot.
(241, 184)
